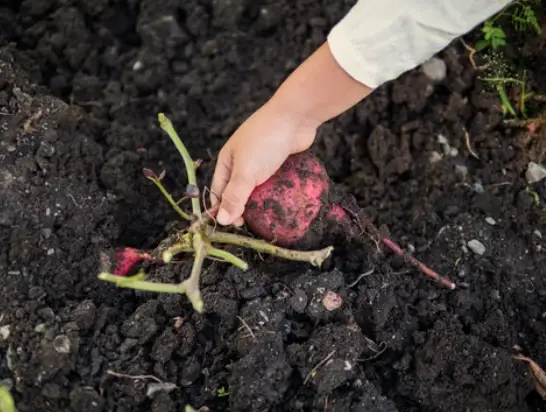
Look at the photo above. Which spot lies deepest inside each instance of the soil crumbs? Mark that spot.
(81, 83)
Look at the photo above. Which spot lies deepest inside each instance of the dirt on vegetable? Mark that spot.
(81, 84)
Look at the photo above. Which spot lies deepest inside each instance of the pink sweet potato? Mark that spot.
(295, 203)
(283, 208)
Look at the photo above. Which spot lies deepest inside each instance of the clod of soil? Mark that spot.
(81, 83)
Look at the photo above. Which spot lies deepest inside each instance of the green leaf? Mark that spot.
(481, 45)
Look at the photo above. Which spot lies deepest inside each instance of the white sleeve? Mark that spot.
(378, 40)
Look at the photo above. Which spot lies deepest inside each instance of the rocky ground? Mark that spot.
(81, 83)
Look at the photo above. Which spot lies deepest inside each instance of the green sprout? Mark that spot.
(493, 37)
(222, 392)
(200, 237)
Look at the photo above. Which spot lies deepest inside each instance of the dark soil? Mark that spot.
(81, 83)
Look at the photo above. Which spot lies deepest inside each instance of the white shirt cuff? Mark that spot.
(378, 40)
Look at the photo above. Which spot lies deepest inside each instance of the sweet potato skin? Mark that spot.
(283, 208)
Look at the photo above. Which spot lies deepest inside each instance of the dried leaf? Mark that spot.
(149, 173)
(162, 175)
(538, 374)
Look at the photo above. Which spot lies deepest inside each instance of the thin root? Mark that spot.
(467, 142)
(245, 325)
(362, 276)
(135, 377)
(314, 370)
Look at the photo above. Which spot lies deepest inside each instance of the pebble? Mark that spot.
(535, 172)
(453, 152)
(442, 139)
(434, 157)
(476, 246)
(537, 233)
(435, 69)
(50, 252)
(490, 221)
(461, 171)
(478, 188)
(4, 332)
(61, 344)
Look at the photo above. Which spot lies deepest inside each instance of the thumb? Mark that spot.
(234, 198)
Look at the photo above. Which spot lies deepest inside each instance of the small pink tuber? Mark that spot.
(294, 204)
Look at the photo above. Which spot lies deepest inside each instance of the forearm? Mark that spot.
(376, 42)
(320, 89)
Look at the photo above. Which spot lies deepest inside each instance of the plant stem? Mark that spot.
(169, 198)
(129, 283)
(167, 126)
(228, 257)
(174, 250)
(315, 257)
(191, 285)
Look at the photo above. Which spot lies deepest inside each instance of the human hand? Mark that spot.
(254, 153)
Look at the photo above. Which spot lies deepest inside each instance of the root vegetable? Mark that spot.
(295, 205)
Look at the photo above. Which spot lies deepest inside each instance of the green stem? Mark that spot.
(228, 257)
(169, 198)
(501, 80)
(314, 257)
(191, 284)
(129, 283)
(167, 126)
(504, 100)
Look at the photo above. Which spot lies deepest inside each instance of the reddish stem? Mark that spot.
(421, 266)
(398, 250)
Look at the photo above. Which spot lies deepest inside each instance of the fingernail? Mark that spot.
(223, 217)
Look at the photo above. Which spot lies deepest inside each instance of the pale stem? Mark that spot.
(314, 257)
(174, 250)
(141, 284)
(191, 284)
(169, 198)
(167, 126)
(228, 257)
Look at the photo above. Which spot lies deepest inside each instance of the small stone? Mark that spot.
(537, 233)
(490, 221)
(434, 157)
(50, 252)
(476, 246)
(453, 152)
(61, 344)
(435, 69)
(137, 66)
(40, 328)
(461, 171)
(4, 332)
(442, 139)
(535, 172)
(154, 387)
(47, 232)
(478, 188)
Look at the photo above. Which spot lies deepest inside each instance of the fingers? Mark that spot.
(220, 178)
(234, 198)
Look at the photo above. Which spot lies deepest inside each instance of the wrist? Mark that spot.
(320, 89)
(299, 130)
